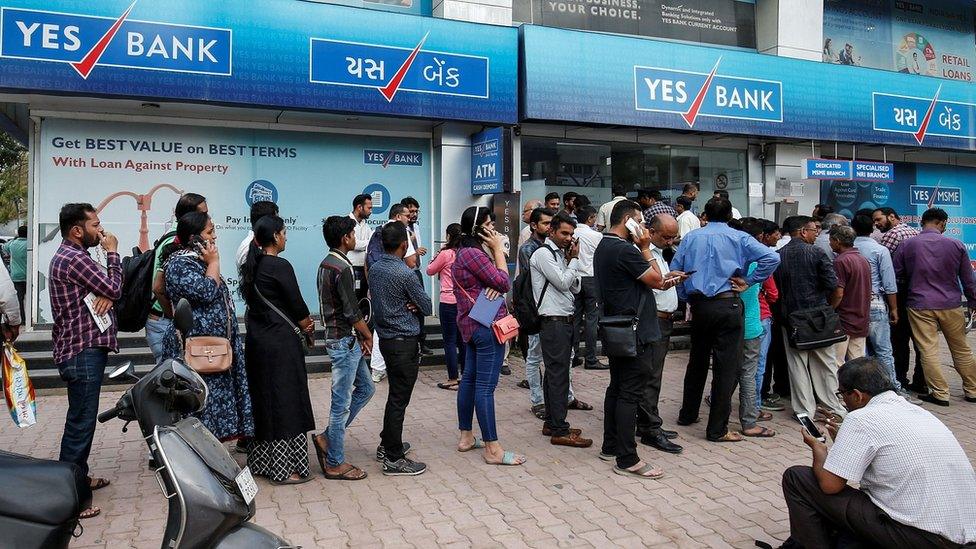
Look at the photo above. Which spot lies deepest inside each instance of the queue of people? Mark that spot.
(583, 266)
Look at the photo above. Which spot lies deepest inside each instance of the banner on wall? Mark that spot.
(120, 168)
(916, 188)
(934, 38)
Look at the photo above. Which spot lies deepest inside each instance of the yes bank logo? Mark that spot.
(86, 41)
(694, 94)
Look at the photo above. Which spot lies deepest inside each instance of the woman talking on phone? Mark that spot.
(480, 267)
(191, 266)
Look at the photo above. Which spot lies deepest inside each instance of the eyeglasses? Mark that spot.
(842, 394)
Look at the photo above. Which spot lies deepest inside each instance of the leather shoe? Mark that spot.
(684, 423)
(662, 443)
(970, 399)
(932, 400)
(665, 432)
(572, 440)
(669, 434)
(597, 366)
(547, 432)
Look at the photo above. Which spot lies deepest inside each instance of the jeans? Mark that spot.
(483, 365)
(352, 388)
(749, 414)
(587, 315)
(648, 418)
(628, 380)
(402, 363)
(83, 374)
(453, 345)
(879, 334)
(765, 340)
(533, 372)
(155, 335)
(557, 346)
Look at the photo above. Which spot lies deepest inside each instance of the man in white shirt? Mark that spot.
(687, 220)
(258, 210)
(917, 487)
(664, 231)
(603, 216)
(556, 279)
(362, 208)
(587, 307)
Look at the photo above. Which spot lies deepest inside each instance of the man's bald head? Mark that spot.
(664, 229)
(527, 209)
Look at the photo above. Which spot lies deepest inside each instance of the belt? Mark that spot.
(401, 338)
(554, 318)
(664, 316)
(723, 295)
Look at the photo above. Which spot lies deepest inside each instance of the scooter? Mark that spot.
(211, 499)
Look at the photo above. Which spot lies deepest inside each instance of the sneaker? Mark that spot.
(381, 452)
(907, 395)
(426, 351)
(403, 468)
(772, 406)
(524, 384)
(378, 376)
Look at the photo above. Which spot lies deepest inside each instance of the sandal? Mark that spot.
(289, 480)
(98, 483)
(763, 433)
(764, 416)
(540, 411)
(451, 385)
(607, 457)
(352, 473)
(509, 458)
(321, 451)
(91, 512)
(641, 473)
(478, 443)
(728, 437)
(578, 404)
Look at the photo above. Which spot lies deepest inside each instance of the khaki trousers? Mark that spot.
(813, 379)
(926, 324)
(849, 349)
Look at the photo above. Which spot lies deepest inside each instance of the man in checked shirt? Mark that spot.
(80, 347)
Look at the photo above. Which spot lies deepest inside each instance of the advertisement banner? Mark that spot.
(722, 22)
(488, 161)
(934, 38)
(287, 54)
(134, 173)
(656, 84)
(916, 188)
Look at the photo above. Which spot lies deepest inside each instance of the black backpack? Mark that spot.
(526, 307)
(132, 308)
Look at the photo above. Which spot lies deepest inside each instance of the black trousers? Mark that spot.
(402, 358)
(777, 376)
(628, 380)
(848, 518)
(587, 315)
(556, 338)
(716, 329)
(423, 330)
(21, 288)
(901, 338)
(648, 419)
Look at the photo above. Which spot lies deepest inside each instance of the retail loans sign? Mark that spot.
(291, 55)
(693, 94)
(848, 170)
(85, 42)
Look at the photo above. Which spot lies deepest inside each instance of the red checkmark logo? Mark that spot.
(88, 62)
(692, 114)
(934, 193)
(389, 91)
(920, 134)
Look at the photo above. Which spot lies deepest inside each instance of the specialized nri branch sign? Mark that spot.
(86, 41)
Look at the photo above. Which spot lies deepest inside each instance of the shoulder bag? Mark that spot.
(303, 338)
(815, 328)
(505, 328)
(619, 332)
(211, 354)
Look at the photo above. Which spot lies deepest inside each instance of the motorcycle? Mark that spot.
(211, 499)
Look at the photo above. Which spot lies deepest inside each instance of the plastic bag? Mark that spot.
(17, 388)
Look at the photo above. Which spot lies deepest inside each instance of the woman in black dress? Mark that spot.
(275, 358)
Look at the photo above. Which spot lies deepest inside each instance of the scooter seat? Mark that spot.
(41, 491)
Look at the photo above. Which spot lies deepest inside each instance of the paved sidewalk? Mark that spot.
(714, 495)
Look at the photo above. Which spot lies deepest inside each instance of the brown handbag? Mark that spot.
(210, 354)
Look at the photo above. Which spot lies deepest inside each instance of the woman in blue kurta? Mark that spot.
(192, 271)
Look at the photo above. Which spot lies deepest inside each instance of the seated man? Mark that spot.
(917, 487)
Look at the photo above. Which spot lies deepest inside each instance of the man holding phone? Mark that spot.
(917, 487)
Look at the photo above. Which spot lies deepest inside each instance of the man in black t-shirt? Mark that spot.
(625, 273)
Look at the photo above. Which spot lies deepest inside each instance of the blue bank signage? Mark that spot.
(932, 197)
(848, 170)
(393, 158)
(296, 55)
(648, 83)
(488, 161)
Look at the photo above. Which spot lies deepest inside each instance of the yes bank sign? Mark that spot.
(86, 42)
(694, 94)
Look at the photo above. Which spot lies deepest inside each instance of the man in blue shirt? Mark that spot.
(719, 257)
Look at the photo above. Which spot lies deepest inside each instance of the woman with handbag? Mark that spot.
(480, 266)
(279, 330)
(441, 266)
(191, 265)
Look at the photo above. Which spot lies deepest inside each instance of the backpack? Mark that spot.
(132, 308)
(526, 307)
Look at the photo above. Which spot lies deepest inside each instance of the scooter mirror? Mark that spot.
(125, 369)
(183, 317)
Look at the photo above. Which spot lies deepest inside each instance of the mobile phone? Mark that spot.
(634, 227)
(197, 243)
(811, 427)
